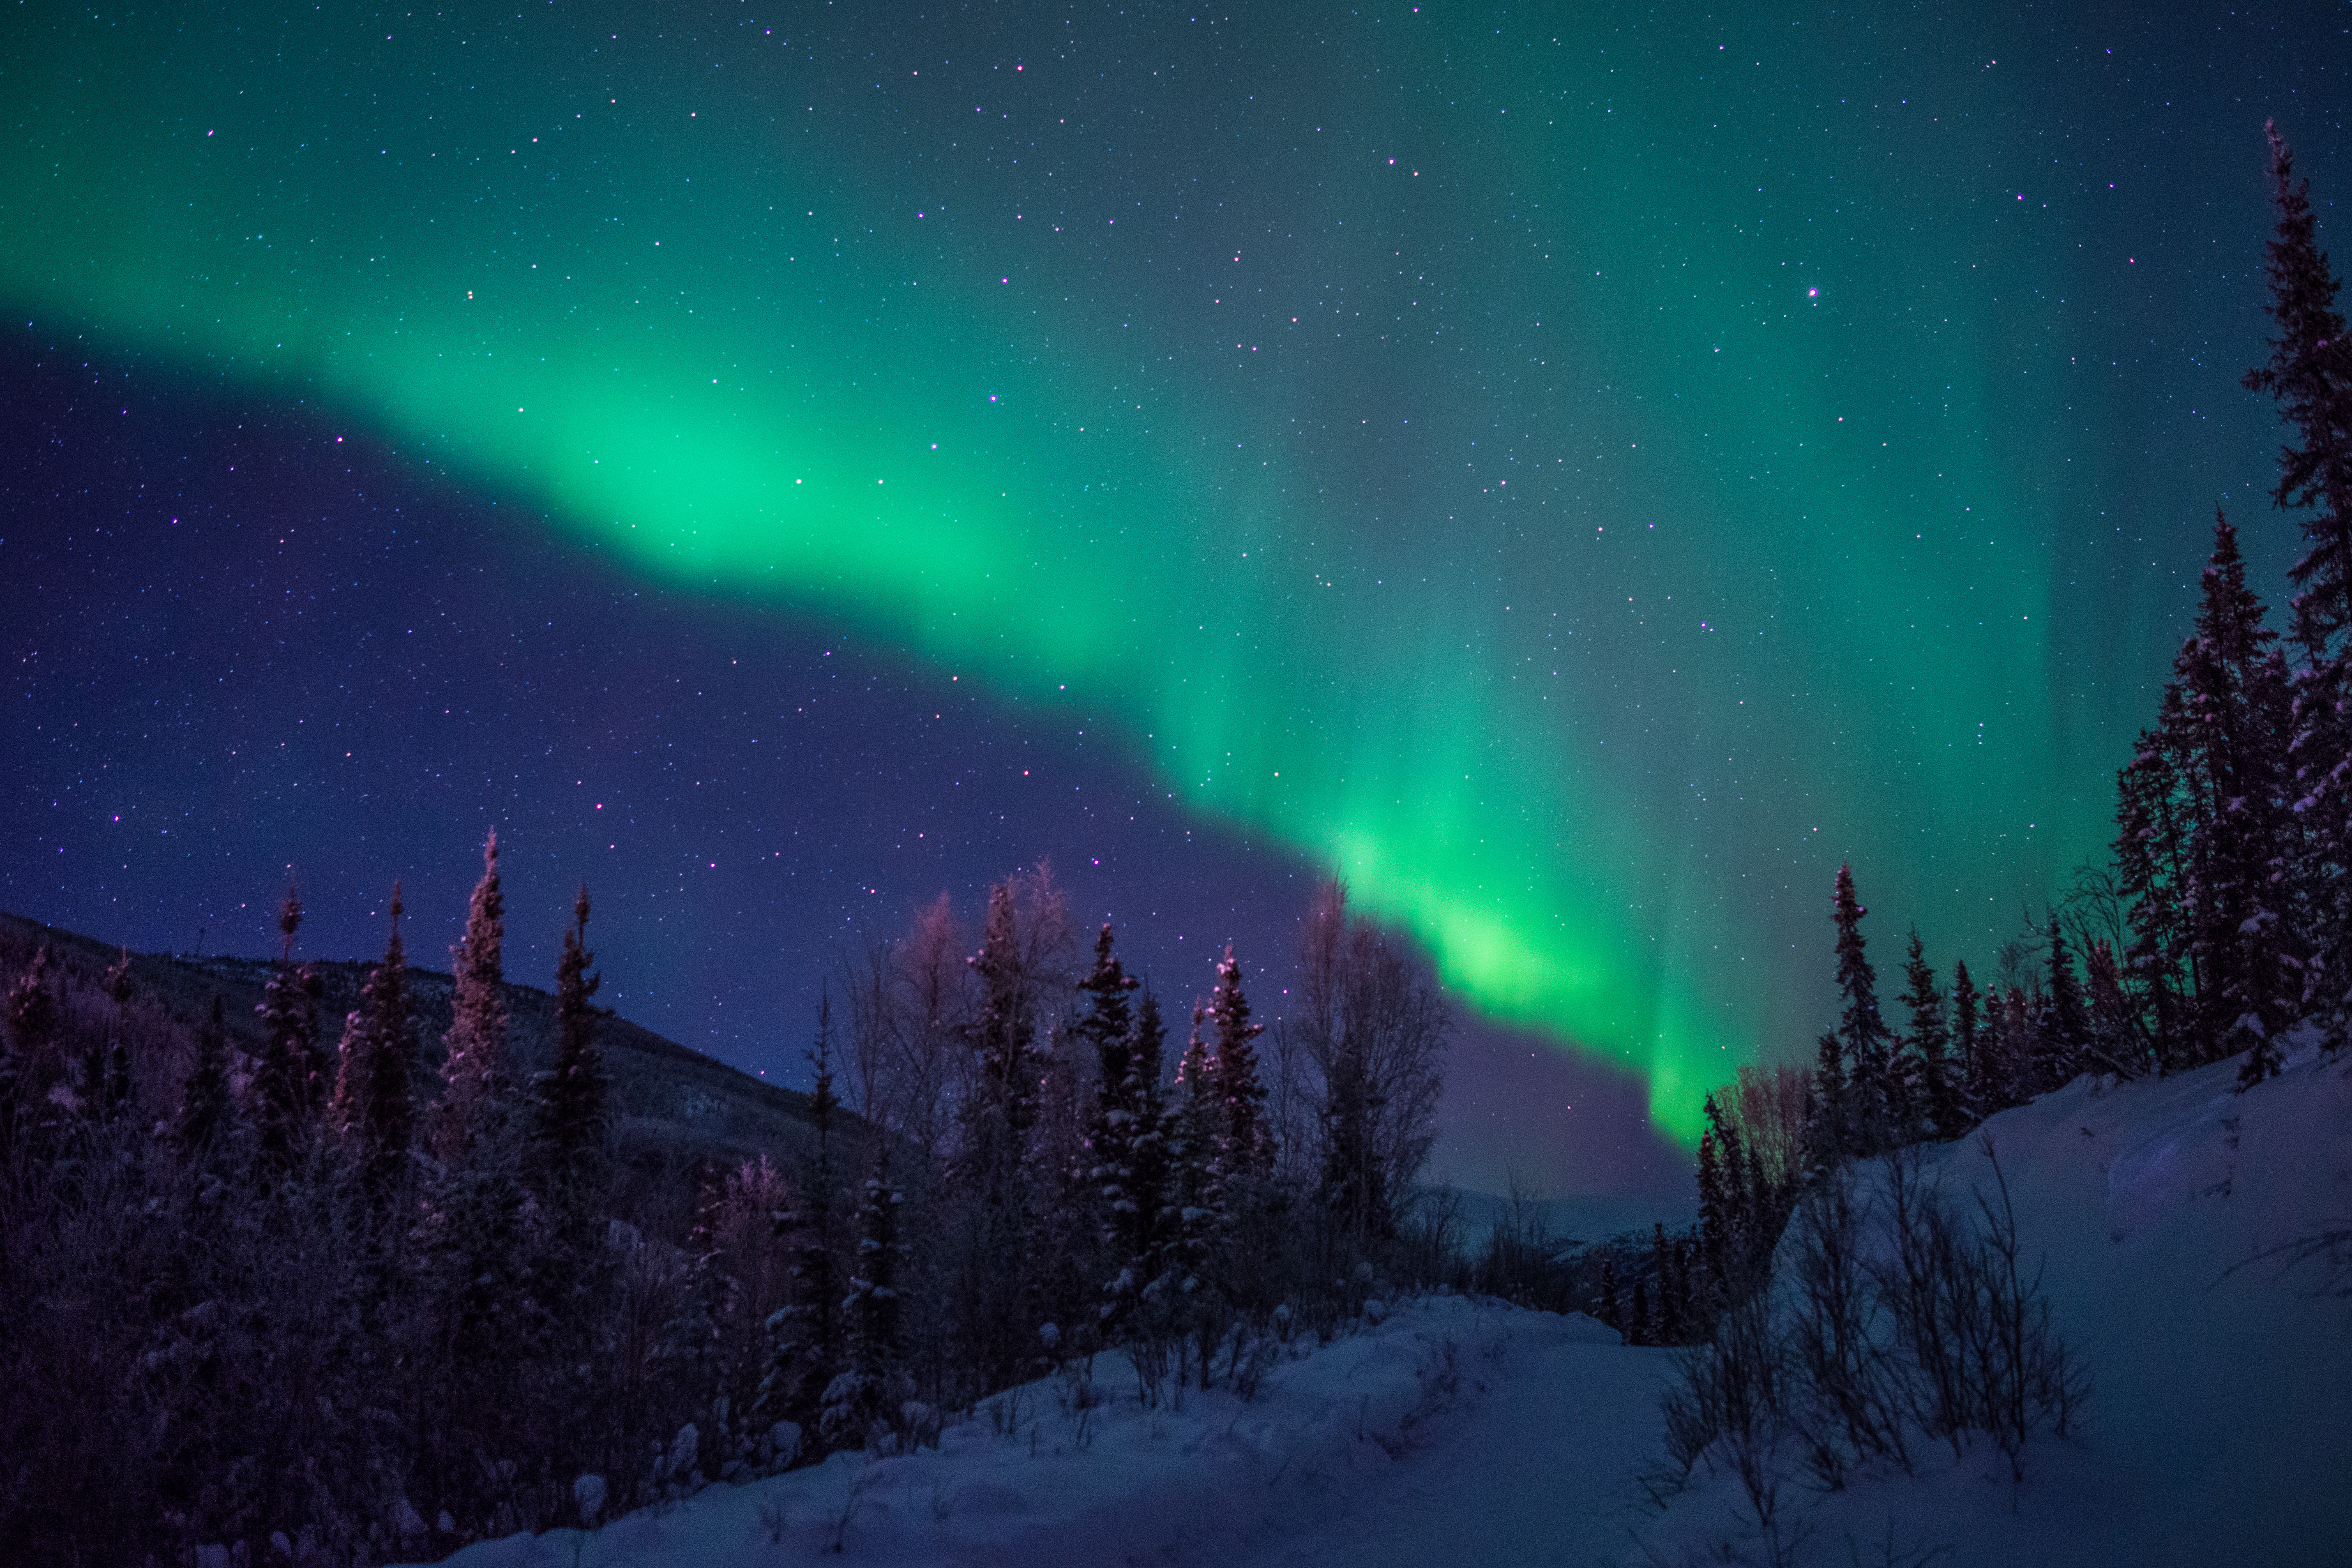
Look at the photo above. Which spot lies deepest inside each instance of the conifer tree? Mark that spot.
(1108, 1028)
(1934, 1089)
(863, 1400)
(1829, 1114)
(1195, 1210)
(2234, 685)
(1864, 1040)
(1005, 1032)
(805, 1338)
(205, 1097)
(569, 1137)
(286, 1085)
(2064, 1029)
(2153, 875)
(473, 1070)
(1248, 1148)
(1966, 1039)
(1143, 1233)
(1714, 1212)
(375, 1111)
(2309, 374)
(1610, 1309)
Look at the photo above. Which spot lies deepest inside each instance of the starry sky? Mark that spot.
(1579, 474)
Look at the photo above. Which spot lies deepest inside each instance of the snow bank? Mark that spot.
(2173, 1220)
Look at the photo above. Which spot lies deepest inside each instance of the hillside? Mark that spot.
(2191, 1243)
(672, 1106)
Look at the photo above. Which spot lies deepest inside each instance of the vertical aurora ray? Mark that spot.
(1584, 529)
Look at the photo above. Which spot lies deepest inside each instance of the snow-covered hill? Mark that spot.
(2176, 1221)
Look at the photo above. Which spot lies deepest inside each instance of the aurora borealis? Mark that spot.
(1581, 475)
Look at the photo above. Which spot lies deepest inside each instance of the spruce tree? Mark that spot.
(1933, 1091)
(1864, 1040)
(570, 1131)
(2234, 695)
(805, 1338)
(861, 1402)
(2154, 812)
(1714, 1212)
(1142, 1234)
(473, 1070)
(1967, 1041)
(374, 1110)
(1004, 1036)
(1248, 1146)
(2309, 374)
(286, 1083)
(1196, 1190)
(2064, 1029)
(1108, 1028)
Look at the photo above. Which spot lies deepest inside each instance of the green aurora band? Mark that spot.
(1660, 481)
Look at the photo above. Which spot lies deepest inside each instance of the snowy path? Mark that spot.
(1537, 1466)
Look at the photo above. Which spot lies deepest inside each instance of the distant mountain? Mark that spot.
(672, 1106)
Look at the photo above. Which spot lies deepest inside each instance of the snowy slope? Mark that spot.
(2218, 1430)
(1455, 1431)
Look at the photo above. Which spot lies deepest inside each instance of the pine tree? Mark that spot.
(1610, 1309)
(2310, 375)
(2153, 834)
(861, 1402)
(1108, 1028)
(805, 1338)
(2206, 837)
(2064, 1029)
(205, 1097)
(1144, 1234)
(1714, 1244)
(1248, 1147)
(374, 1110)
(1195, 1210)
(287, 1082)
(1829, 1113)
(1968, 1041)
(1934, 1090)
(570, 1132)
(1005, 1033)
(473, 1070)
(1864, 1040)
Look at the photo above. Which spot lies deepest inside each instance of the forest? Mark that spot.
(317, 1282)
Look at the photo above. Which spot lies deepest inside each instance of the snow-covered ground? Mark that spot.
(2218, 1430)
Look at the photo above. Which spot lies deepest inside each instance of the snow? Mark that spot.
(2168, 1217)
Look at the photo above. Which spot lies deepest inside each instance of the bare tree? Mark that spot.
(1365, 1049)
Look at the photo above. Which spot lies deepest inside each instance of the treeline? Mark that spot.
(316, 1302)
(1840, 1320)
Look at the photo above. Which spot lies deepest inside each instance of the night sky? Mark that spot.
(1579, 474)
